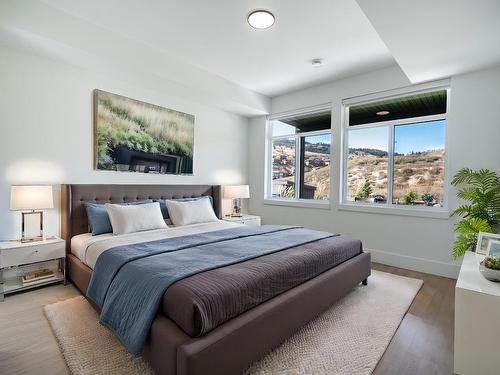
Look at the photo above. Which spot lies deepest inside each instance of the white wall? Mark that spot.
(46, 133)
(417, 243)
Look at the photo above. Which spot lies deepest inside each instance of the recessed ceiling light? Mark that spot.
(317, 62)
(382, 113)
(260, 19)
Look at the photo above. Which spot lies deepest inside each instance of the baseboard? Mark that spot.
(434, 267)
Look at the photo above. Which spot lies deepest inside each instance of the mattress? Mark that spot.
(87, 247)
(202, 302)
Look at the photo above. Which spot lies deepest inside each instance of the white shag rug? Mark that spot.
(349, 338)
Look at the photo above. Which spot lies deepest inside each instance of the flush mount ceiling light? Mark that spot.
(317, 62)
(260, 19)
(382, 113)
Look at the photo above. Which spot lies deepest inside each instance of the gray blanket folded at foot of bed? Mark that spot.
(200, 303)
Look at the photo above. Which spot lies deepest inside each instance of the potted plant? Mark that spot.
(490, 268)
(482, 214)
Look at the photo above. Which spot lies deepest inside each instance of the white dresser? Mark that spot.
(477, 314)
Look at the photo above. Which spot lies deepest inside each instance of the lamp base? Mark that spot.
(31, 238)
(236, 208)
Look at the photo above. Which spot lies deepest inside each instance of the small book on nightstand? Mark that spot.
(34, 276)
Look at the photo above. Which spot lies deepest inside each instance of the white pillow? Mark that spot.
(191, 212)
(135, 218)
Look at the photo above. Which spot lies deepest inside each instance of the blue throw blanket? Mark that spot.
(128, 282)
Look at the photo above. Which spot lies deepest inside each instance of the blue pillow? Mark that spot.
(98, 216)
(163, 205)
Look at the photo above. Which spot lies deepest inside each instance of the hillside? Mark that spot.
(417, 172)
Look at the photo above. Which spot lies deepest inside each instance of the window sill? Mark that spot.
(305, 203)
(432, 213)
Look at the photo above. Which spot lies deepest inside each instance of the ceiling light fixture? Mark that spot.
(317, 62)
(260, 19)
(382, 113)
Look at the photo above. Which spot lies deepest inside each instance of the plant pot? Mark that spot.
(488, 273)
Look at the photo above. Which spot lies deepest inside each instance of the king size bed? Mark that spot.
(233, 292)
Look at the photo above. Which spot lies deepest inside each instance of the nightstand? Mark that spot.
(245, 219)
(16, 259)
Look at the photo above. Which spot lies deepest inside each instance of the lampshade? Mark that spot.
(236, 191)
(31, 197)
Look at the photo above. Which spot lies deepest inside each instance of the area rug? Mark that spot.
(349, 338)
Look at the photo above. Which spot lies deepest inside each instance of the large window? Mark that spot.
(394, 151)
(300, 156)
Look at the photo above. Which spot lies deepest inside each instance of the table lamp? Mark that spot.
(236, 193)
(31, 198)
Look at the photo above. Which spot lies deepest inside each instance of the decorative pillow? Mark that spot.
(135, 218)
(163, 205)
(98, 216)
(191, 212)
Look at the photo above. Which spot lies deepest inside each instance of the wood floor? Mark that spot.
(423, 344)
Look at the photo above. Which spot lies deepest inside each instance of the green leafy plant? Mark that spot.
(467, 230)
(409, 197)
(428, 198)
(492, 263)
(365, 190)
(482, 214)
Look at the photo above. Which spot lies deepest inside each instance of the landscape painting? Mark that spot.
(134, 136)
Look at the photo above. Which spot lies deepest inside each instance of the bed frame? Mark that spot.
(236, 344)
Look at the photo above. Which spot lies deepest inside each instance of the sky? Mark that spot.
(413, 137)
(322, 138)
(376, 138)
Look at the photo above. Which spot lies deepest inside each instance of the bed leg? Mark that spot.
(365, 282)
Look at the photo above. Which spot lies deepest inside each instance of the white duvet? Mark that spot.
(88, 248)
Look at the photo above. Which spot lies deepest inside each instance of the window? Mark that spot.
(367, 164)
(300, 156)
(394, 151)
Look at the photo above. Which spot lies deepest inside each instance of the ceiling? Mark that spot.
(433, 39)
(423, 104)
(217, 38)
(210, 54)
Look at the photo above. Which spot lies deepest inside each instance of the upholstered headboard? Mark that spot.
(74, 217)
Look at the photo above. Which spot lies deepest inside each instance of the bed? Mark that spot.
(221, 320)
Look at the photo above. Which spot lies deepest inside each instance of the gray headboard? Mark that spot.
(74, 217)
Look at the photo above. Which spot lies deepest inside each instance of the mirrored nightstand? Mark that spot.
(30, 265)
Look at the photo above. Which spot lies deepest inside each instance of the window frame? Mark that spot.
(389, 206)
(298, 202)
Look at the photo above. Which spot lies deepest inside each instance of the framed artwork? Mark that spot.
(493, 248)
(483, 240)
(133, 136)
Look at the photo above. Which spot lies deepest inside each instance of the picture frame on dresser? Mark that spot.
(493, 248)
(483, 240)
